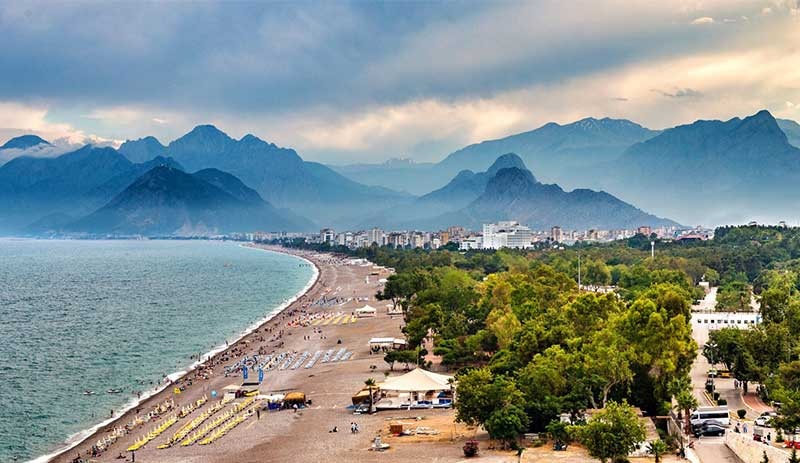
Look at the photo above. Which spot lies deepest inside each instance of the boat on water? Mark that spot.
(114, 391)
(88, 392)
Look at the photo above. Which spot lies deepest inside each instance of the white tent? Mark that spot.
(390, 343)
(417, 380)
(367, 311)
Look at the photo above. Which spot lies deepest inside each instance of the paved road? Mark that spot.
(711, 449)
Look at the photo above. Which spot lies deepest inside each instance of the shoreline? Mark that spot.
(81, 437)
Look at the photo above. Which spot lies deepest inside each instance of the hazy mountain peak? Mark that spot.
(207, 130)
(511, 177)
(205, 137)
(149, 140)
(464, 174)
(250, 138)
(592, 124)
(505, 161)
(764, 122)
(142, 149)
(23, 142)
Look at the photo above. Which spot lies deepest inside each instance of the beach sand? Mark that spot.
(286, 435)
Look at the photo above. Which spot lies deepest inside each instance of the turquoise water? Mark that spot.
(97, 315)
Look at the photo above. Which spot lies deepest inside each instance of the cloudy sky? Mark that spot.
(366, 81)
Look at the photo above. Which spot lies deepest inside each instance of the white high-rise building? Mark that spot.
(375, 236)
(327, 235)
(506, 234)
(556, 235)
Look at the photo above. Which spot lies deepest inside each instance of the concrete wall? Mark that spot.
(751, 451)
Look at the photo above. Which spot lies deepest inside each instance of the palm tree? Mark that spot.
(686, 402)
(657, 448)
(370, 383)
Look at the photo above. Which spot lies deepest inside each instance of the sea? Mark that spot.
(80, 315)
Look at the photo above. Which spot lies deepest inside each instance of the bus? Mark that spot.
(703, 414)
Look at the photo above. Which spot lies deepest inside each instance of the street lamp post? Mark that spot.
(711, 356)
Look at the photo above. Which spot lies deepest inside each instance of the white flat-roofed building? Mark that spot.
(471, 242)
(375, 236)
(718, 320)
(506, 234)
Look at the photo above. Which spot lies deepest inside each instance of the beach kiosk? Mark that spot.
(249, 387)
(417, 389)
(366, 311)
(230, 391)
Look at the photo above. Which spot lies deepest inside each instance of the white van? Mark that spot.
(703, 414)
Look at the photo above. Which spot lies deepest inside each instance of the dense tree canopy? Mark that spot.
(527, 341)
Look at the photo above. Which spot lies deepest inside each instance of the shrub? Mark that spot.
(741, 413)
(716, 396)
(470, 448)
(722, 402)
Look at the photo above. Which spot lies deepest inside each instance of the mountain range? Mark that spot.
(168, 201)
(508, 190)
(68, 186)
(552, 151)
(706, 172)
(710, 172)
(278, 174)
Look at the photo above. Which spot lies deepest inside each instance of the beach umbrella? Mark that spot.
(260, 375)
(214, 393)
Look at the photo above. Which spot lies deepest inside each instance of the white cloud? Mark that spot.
(703, 20)
(18, 119)
(740, 81)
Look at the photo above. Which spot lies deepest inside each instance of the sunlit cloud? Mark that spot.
(371, 86)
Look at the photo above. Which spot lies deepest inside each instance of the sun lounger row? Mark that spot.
(185, 411)
(192, 425)
(153, 434)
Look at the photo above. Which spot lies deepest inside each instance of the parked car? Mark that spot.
(765, 419)
(698, 426)
(709, 429)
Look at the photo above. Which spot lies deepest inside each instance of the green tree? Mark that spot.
(612, 433)
(734, 296)
(401, 287)
(558, 431)
(480, 394)
(793, 458)
(685, 401)
(403, 356)
(657, 448)
(607, 361)
(506, 424)
(596, 273)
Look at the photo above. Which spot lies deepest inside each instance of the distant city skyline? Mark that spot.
(349, 82)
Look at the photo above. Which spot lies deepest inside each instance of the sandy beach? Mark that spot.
(304, 326)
